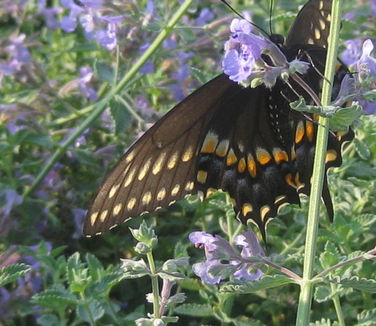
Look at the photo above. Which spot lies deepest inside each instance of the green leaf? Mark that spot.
(77, 274)
(362, 284)
(322, 293)
(103, 285)
(322, 322)
(362, 148)
(104, 71)
(366, 318)
(95, 266)
(330, 256)
(194, 310)
(48, 320)
(266, 282)
(55, 298)
(121, 116)
(10, 273)
(244, 321)
(91, 312)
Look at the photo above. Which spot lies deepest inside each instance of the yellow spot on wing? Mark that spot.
(158, 164)
(247, 208)
(231, 158)
(331, 155)
(175, 190)
(322, 24)
(146, 198)
(210, 143)
(188, 154)
(280, 155)
(189, 186)
(144, 169)
(251, 166)
(262, 156)
(113, 191)
(131, 203)
(241, 165)
(279, 199)
(103, 215)
(130, 157)
(299, 133)
(129, 178)
(264, 210)
(117, 209)
(309, 130)
(93, 218)
(201, 176)
(161, 194)
(317, 34)
(289, 180)
(172, 161)
(222, 148)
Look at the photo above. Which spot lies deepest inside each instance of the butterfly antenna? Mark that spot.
(242, 17)
(314, 66)
(270, 16)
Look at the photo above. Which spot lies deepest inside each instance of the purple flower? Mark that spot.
(204, 17)
(352, 52)
(69, 22)
(242, 51)
(95, 24)
(366, 62)
(243, 61)
(19, 56)
(365, 78)
(148, 66)
(78, 218)
(373, 7)
(86, 75)
(222, 260)
(11, 199)
(49, 14)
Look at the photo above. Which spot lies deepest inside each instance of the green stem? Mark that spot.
(318, 174)
(337, 306)
(103, 104)
(154, 285)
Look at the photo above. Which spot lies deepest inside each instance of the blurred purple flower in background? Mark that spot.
(352, 52)
(222, 260)
(50, 14)
(78, 219)
(358, 56)
(204, 17)
(86, 75)
(18, 56)
(12, 198)
(96, 25)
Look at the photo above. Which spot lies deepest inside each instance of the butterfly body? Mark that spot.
(245, 141)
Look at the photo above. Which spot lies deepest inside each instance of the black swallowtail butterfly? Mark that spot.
(245, 141)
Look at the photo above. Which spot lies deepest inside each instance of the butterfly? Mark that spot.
(245, 141)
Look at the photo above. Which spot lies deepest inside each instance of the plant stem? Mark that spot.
(346, 262)
(154, 285)
(102, 104)
(337, 306)
(318, 174)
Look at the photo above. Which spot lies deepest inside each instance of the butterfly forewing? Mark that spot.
(312, 25)
(160, 167)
